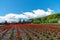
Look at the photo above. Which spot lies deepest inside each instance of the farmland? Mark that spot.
(30, 32)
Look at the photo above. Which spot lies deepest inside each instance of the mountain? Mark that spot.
(53, 18)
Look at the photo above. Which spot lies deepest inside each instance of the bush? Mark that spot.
(41, 39)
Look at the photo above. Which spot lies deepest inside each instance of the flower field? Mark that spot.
(30, 32)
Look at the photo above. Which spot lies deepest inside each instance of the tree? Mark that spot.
(5, 22)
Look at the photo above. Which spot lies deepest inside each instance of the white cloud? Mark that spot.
(29, 14)
(49, 11)
(41, 13)
(11, 17)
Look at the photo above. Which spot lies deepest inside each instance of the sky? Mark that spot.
(21, 8)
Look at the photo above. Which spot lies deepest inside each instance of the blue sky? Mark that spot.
(19, 6)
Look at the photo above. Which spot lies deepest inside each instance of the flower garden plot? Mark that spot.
(30, 32)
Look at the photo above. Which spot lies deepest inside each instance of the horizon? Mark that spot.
(25, 9)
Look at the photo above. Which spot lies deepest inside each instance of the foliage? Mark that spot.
(53, 18)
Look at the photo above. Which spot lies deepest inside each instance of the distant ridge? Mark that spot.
(53, 18)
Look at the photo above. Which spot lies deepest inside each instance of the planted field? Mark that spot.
(30, 32)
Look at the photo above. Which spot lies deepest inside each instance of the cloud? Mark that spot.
(29, 14)
(11, 17)
(2, 20)
(41, 13)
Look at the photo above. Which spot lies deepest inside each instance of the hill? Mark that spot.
(53, 18)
